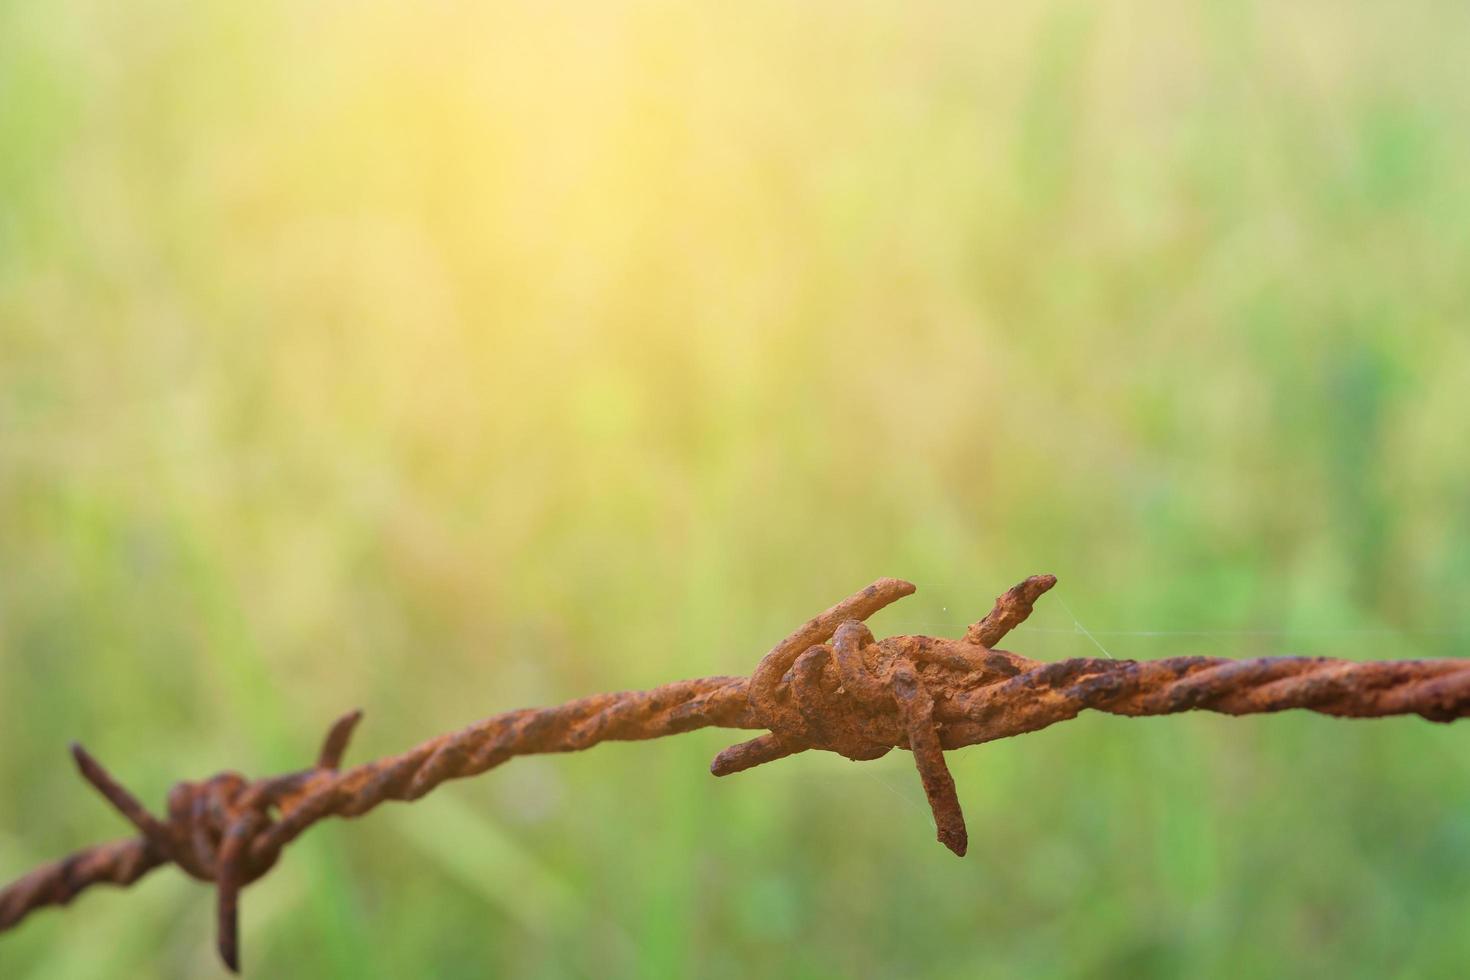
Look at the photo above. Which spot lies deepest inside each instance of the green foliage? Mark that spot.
(444, 359)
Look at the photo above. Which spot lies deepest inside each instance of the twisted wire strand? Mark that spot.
(854, 695)
(306, 797)
(1436, 690)
(119, 862)
(671, 709)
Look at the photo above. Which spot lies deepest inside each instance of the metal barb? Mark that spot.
(335, 744)
(124, 802)
(829, 685)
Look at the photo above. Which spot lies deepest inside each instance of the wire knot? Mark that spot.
(831, 686)
(834, 697)
(214, 825)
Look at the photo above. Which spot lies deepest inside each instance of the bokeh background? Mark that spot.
(447, 358)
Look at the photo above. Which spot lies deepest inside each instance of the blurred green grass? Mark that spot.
(444, 360)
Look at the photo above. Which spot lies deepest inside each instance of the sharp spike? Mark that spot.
(123, 801)
(335, 744)
(747, 755)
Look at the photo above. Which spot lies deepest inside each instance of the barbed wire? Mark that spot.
(829, 685)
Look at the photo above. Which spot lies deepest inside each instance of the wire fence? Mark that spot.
(829, 685)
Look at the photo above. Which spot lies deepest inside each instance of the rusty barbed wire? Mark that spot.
(829, 685)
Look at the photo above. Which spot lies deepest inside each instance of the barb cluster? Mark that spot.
(861, 697)
(830, 685)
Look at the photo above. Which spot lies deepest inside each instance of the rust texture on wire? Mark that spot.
(830, 685)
